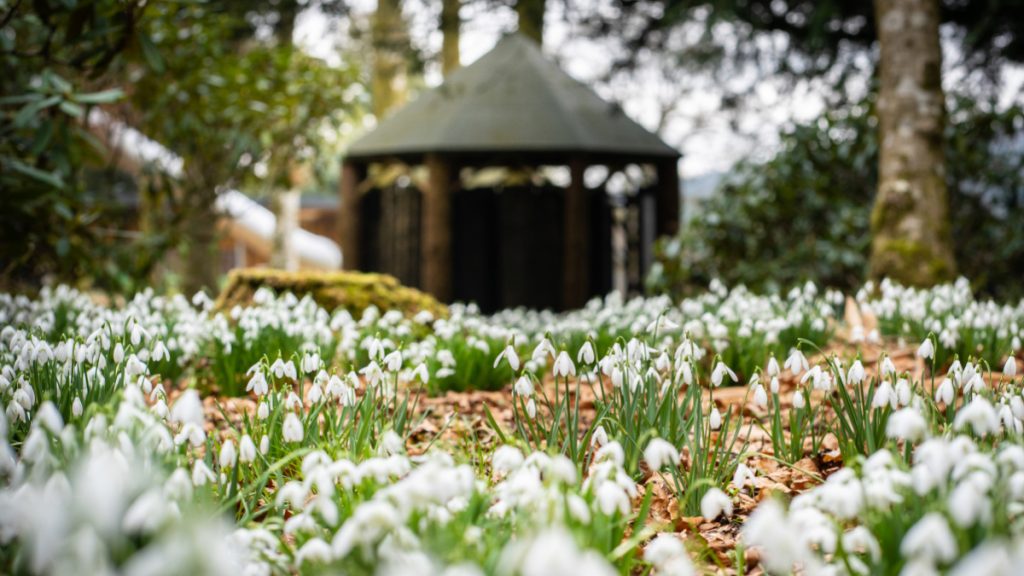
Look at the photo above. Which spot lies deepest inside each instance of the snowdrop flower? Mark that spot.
(719, 373)
(773, 367)
(1010, 368)
(310, 363)
(506, 459)
(668, 556)
(742, 476)
(188, 408)
(585, 356)
(904, 393)
(769, 529)
(510, 356)
(927, 349)
(524, 386)
(884, 396)
(265, 444)
(263, 411)
(246, 450)
(543, 350)
(563, 365)
(980, 415)
(715, 419)
(393, 361)
(856, 373)
(531, 409)
(118, 353)
(659, 454)
(611, 498)
(316, 550)
(715, 503)
(907, 424)
(888, 368)
(420, 373)
(945, 392)
(292, 429)
(201, 474)
(228, 456)
(931, 540)
(599, 437)
(760, 396)
(796, 363)
(77, 409)
(258, 384)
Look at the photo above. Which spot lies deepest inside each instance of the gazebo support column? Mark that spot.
(352, 174)
(576, 258)
(436, 265)
(668, 197)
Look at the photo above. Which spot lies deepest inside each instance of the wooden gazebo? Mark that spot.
(511, 108)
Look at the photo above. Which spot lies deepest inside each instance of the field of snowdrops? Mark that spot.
(733, 433)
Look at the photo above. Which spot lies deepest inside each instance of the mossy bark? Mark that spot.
(531, 19)
(352, 291)
(910, 220)
(451, 27)
(390, 49)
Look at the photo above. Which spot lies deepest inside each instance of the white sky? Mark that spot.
(709, 138)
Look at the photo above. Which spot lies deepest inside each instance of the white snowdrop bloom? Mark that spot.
(201, 474)
(888, 368)
(292, 402)
(49, 417)
(393, 361)
(975, 385)
(945, 392)
(612, 452)
(742, 476)
(796, 363)
(228, 456)
(160, 352)
(531, 408)
(564, 366)
(660, 453)
(719, 373)
(715, 503)
(264, 445)
(586, 355)
(1010, 367)
(263, 411)
(715, 419)
(611, 498)
(258, 384)
(599, 437)
(316, 551)
(760, 396)
(292, 429)
(246, 450)
(907, 424)
(980, 415)
(967, 505)
(884, 396)
(904, 393)
(773, 386)
(77, 409)
(420, 373)
(769, 530)
(506, 459)
(856, 374)
(524, 386)
(118, 353)
(926, 350)
(310, 363)
(552, 552)
(798, 400)
(390, 444)
(773, 367)
(931, 540)
(860, 540)
(188, 408)
(543, 350)
(992, 558)
(668, 556)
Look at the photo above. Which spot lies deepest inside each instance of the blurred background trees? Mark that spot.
(224, 87)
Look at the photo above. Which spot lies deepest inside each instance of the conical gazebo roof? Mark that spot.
(511, 100)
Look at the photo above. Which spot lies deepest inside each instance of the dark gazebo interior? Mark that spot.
(519, 239)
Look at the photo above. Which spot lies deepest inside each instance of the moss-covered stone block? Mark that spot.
(353, 291)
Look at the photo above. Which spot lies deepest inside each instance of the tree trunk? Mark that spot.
(450, 28)
(203, 257)
(910, 222)
(531, 19)
(284, 255)
(390, 46)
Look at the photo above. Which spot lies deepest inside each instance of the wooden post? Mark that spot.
(436, 265)
(668, 197)
(352, 174)
(576, 259)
